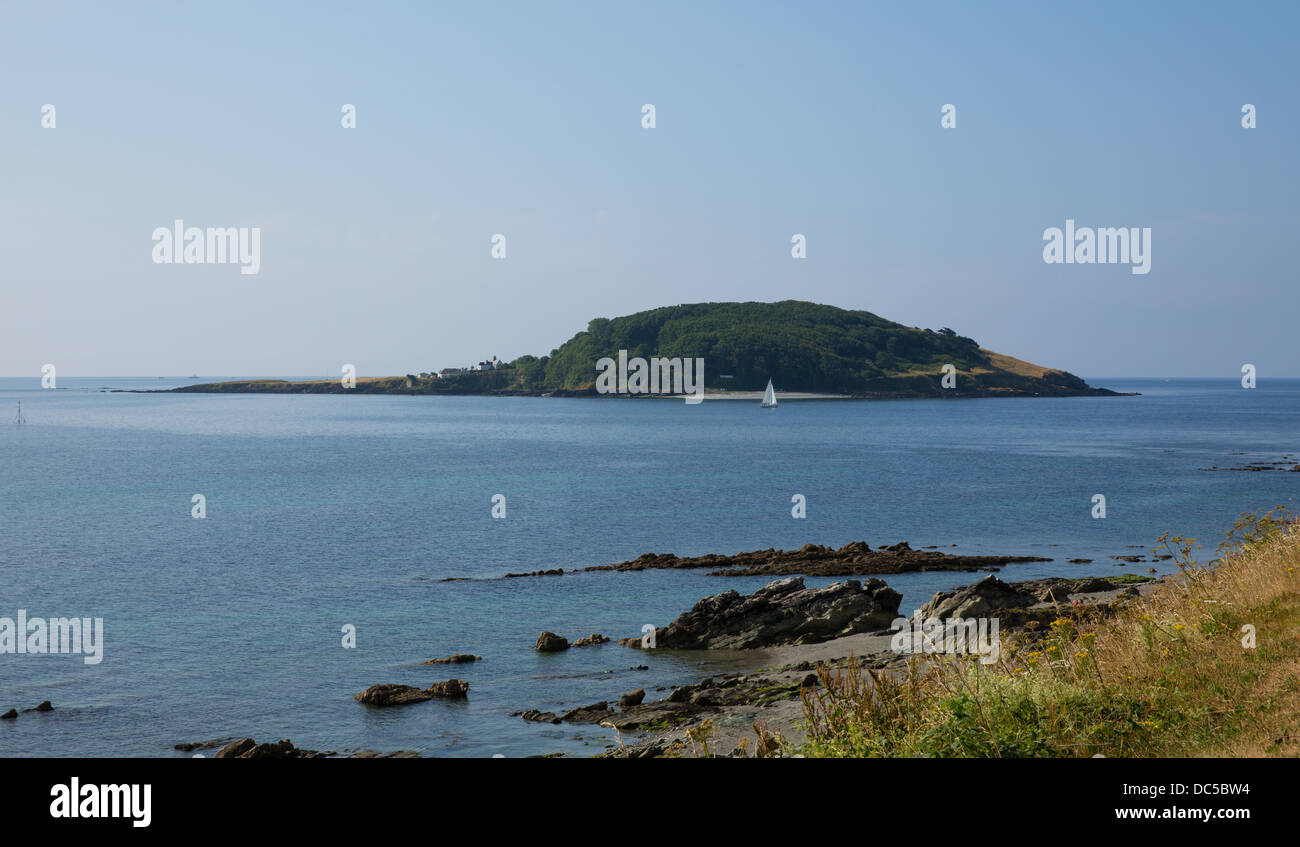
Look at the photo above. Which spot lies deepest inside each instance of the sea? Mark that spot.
(326, 515)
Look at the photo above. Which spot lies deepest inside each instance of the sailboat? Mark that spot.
(769, 397)
(20, 419)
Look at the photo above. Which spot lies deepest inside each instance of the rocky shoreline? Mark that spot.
(743, 715)
(853, 559)
(800, 631)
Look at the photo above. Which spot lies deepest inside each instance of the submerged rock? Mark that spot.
(189, 746)
(592, 640)
(854, 558)
(388, 694)
(455, 659)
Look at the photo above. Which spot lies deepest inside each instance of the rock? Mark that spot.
(1081, 561)
(455, 659)
(592, 640)
(980, 599)
(854, 558)
(43, 706)
(551, 572)
(630, 699)
(549, 642)
(234, 749)
(782, 612)
(9, 715)
(594, 713)
(454, 689)
(246, 748)
(657, 714)
(388, 694)
(1056, 590)
(536, 716)
(200, 745)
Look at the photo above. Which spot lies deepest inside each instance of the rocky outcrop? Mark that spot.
(189, 746)
(550, 572)
(455, 659)
(247, 748)
(549, 642)
(588, 714)
(781, 612)
(630, 699)
(388, 694)
(980, 599)
(991, 597)
(536, 716)
(593, 640)
(855, 558)
(43, 706)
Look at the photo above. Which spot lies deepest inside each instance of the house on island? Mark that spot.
(488, 365)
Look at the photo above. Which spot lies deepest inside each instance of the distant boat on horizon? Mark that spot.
(769, 397)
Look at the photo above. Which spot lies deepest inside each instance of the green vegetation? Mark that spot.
(801, 347)
(1208, 665)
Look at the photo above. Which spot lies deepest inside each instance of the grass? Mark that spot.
(1207, 665)
(1127, 579)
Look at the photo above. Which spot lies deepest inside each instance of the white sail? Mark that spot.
(769, 397)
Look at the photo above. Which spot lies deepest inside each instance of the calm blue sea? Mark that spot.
(331, 510)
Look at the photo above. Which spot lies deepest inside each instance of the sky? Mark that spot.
(525, 119)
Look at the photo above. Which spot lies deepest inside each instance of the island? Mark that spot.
(804, 348)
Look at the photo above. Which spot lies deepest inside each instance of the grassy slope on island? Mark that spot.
(801, 347)
(1171, 674)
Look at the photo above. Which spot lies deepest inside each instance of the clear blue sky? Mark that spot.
(525, 119)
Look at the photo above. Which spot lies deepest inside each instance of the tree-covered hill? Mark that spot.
(801, 347)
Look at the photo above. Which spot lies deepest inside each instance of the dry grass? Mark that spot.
(1169, 674)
